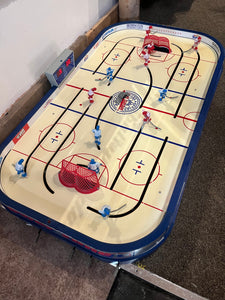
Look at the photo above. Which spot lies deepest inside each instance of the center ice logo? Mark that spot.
(125, 105)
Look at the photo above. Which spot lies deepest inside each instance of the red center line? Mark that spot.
(76, 87)
(167, 113)
(161, 111)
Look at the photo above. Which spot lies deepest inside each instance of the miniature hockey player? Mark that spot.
(94, 166)
(121, 96)
(109, 72)
(147, 117)
(146, 58)
(105, 211)
(150, 48)
(148, 31)
(20, 168)
(122, 99)
(197, 40)
(97, 133)
(162, 94)
(91, 94)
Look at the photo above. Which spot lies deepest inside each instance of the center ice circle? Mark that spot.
(132, 103)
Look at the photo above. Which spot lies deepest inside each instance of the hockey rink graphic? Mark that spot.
(143, 165)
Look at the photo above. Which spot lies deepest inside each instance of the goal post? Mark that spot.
(81, 178)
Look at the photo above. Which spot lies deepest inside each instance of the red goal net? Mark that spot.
(81, 178)
(159, 43)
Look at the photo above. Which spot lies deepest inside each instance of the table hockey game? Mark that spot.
(142, 166)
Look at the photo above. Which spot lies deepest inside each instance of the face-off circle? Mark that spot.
(183, 73)
(189, 118)
(137, 172)
(116, 58)
(56, 136)
(127, 105)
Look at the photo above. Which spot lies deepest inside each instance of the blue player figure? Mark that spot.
(94, 166)
(20, 168)
(109, 72)
(105, 211)
(162, 94)
(97, 133)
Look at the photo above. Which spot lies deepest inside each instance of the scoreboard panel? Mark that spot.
(60, 68)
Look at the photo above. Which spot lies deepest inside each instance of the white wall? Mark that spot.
(33, 33)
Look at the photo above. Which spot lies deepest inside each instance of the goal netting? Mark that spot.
(81, 178)
(160, 43)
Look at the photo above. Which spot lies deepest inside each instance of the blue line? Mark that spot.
(145, 84)
(124, 127)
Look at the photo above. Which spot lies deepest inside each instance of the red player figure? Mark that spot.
(91, 94)
(124, 101)
(147, 119)
(146, 58)
(150, 48)
(146, 115)
(197, 40)
(148, 30)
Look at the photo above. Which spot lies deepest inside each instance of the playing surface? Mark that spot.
(139, 165)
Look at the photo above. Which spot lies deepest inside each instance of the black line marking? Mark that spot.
(26, 163)
(132, 37)
(149, 89)
(188, 84)
(45, 169)
(146, 184)
(122, 64)
(94, 210)
(97, 121)
(105, 58)
(144, 190)
(101, 112)
(175, 69)
(125, 160)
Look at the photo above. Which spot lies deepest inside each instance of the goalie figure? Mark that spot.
(94, 166)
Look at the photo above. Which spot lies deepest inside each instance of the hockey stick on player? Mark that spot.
(171, 97)
(155, 55)
(119, 208)
(188, 50)
(100, 79)
(156, 127)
